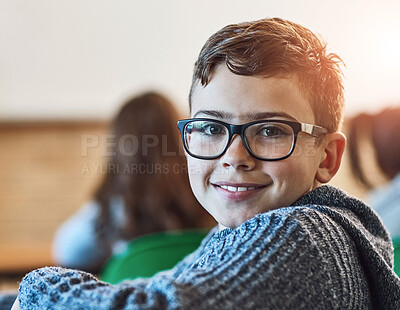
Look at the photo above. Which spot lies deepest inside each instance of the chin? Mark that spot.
(234, 223)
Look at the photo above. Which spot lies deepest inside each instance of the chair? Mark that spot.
(396, 246)
(149, 254)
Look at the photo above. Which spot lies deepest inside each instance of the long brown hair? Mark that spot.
(148, 172)
(381, 131)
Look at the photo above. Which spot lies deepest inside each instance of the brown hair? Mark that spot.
(381, 131)
(156, 197)
(276, 47)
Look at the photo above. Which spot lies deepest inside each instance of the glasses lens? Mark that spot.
(205, 138)
(270, 140)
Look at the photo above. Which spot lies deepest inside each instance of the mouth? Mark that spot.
(237, 188)
(237, 191)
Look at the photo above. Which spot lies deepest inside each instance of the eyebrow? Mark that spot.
(246, 117)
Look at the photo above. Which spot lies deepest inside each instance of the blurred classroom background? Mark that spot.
(65, 67)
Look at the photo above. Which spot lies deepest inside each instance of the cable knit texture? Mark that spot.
(326, 251)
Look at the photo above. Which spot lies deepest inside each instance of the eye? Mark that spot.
(207, 129)
(272, 131)
(213, 129)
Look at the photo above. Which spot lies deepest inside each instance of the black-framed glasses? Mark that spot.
(267, 140)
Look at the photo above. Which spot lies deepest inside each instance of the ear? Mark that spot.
(334, 145)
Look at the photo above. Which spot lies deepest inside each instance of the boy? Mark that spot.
(266, 103)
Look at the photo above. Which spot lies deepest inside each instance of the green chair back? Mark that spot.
(396, 245)
(149, 254)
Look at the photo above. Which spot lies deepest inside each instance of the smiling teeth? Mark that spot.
(237, 189)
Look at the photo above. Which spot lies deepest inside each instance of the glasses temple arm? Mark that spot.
(313, 130)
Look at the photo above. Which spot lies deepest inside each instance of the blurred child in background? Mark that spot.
(145, 188)
(382, 132)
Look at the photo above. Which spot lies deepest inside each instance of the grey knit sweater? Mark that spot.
(327, 251)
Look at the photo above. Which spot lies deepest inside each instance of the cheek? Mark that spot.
(280, 170)
(293, 172)
(199, 172)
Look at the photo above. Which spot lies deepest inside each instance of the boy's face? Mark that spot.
(237, 99)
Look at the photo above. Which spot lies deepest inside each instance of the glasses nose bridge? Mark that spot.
(237, 130)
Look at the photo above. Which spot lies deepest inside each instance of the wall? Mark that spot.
(80, 58)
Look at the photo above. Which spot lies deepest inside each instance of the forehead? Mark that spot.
(240, 98)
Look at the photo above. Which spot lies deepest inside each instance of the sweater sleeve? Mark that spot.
(284, 259)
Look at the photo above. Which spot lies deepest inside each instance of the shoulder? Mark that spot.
(286, 251)
(388, 194)
(82, 219)
(306, 219)
(297, 229)
(298, 237)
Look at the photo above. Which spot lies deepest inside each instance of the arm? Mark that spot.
(75, 243)
(280, 259)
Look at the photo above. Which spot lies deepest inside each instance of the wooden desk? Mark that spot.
(42, 181)
(22, 258)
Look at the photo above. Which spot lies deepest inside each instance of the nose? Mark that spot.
(237, 156)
